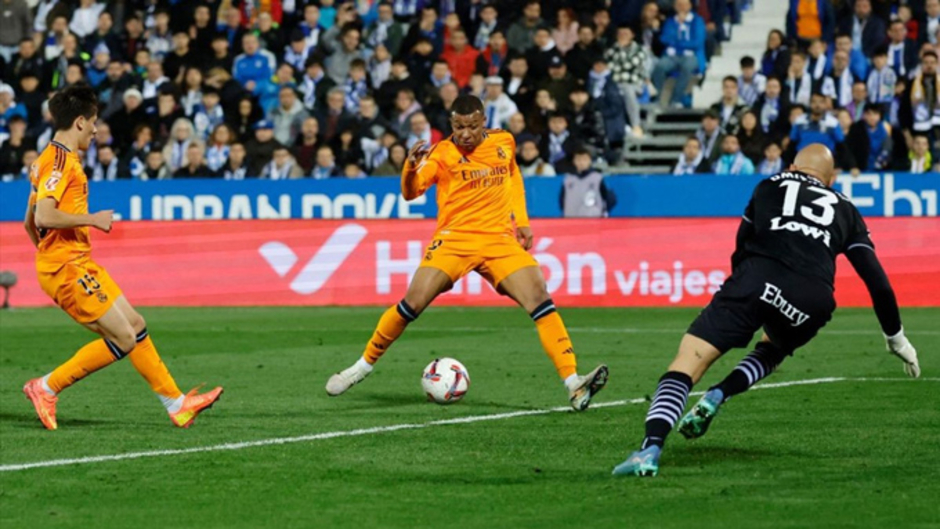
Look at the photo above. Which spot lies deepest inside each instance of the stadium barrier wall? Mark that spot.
(605, 262)
(886, 194)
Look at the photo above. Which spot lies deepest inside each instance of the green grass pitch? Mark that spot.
(841, 454)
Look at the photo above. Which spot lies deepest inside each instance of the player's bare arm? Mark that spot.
(48, 216)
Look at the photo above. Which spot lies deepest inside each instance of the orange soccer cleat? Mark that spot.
(193, 405)
(43, 402)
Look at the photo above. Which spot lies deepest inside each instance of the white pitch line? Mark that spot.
(396, 428)
(600, 330)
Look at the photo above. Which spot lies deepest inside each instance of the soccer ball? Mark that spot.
(445, 381)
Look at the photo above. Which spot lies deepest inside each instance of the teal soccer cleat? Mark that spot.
(643, 463)
(696, 422)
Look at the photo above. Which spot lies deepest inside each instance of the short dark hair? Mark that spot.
(465, 105)
(731, 78)
(70, 103)
(928, 53)
(747, 61)
(580, 150)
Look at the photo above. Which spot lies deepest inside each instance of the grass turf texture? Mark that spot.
(829, 455)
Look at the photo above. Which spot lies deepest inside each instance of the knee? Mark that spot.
(416, 302)
(138, 323)
(125, 340)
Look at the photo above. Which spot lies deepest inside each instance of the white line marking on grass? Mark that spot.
(606, 330)
(398, 427)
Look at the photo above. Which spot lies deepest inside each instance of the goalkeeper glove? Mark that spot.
(901, 347)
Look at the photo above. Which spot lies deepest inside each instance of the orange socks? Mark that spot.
(148, 363)
(90, 358)
(555, 340)
(390, 326)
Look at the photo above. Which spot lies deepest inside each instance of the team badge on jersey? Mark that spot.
(501, 153)
(53, 180)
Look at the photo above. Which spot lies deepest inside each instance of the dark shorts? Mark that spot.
(762, 293)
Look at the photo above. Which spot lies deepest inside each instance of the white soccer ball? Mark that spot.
(445, 381)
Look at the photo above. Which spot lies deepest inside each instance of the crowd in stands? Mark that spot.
(861, 77)
(318, 89)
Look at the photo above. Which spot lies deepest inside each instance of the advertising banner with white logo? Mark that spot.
(606, 262)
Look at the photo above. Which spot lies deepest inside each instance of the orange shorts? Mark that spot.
(82, 289)
(494, 257)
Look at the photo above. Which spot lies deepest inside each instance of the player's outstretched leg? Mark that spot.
(425, 286)
(672, 393)
(757, 365)
(527, 287)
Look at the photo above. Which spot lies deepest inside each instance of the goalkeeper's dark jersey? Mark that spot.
(798, 221)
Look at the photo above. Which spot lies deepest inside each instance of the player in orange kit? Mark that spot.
(479, 195)
(57, 221)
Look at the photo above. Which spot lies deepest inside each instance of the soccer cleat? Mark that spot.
(696, 422)
(193, 405)
(642, 463)
(345, 379)
(588, 386)
(43, 402)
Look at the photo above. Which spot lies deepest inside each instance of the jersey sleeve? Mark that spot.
(519, 211)
(857, 234)
(415, 180)
(54, 177)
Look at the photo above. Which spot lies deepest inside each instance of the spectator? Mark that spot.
(902, 51)
(192, 90)
(208, 114)
(15, 146)
(168, 112)
(282, 166)
(254, 65)
(581, 57)
(29, 157)
(270, 35)
(368, 122)
(9, 107)
(799, 83)
(543, 55)
(376, 152)
(438, 113)
(730, 107)
(732, 161)
(181, 136)
(160, 39)
(219, 147)
(710, 136)
(221, 56)
(856, 107)
(236, 167)
(195, 166)
(203, 33)
(838, 84)
(379, 66)
(440, 75)
(310, 25)
(818, 127)
(587, 123)
(520, 87)
(102, 137)
(106, 165)
(288, 115)
(924, 97)
(584, 193)
(521, 33)
(134, 157)
(919, 159)
(420, 129)
(529, 161)
(337, 64)
(565, 32)
(751, 84)
(606, 96)
(260, 149)
(154, 80)
(326, 164)
(233, 31)
(559, 141)
(772, 162)
(429, 28)
(776, 59)
(492, 61)
(929, 23)
(348, 149)
(559, 82)
(603, 27)
(881, 79)
(156, 167)
(517, 124)
(24, 60)
(353, 171)
(52, 44)
(98, 67)
(461, 58)
(497, 105)
(817, 64)
(751, 138)
(392, 165)
(691, 160)
(858, 62)
(315, 85)
(809, 20)
(627, 61)
(386, 31)
(868, 32)
(296, 51)
(31, 98)
(487, 25)
(421, 59)
(878, 134)
(17, 23)
(306, 144)
(684, 38)
(405, 106)
(651, 23)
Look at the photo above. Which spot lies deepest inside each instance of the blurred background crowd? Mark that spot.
(342, 89)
